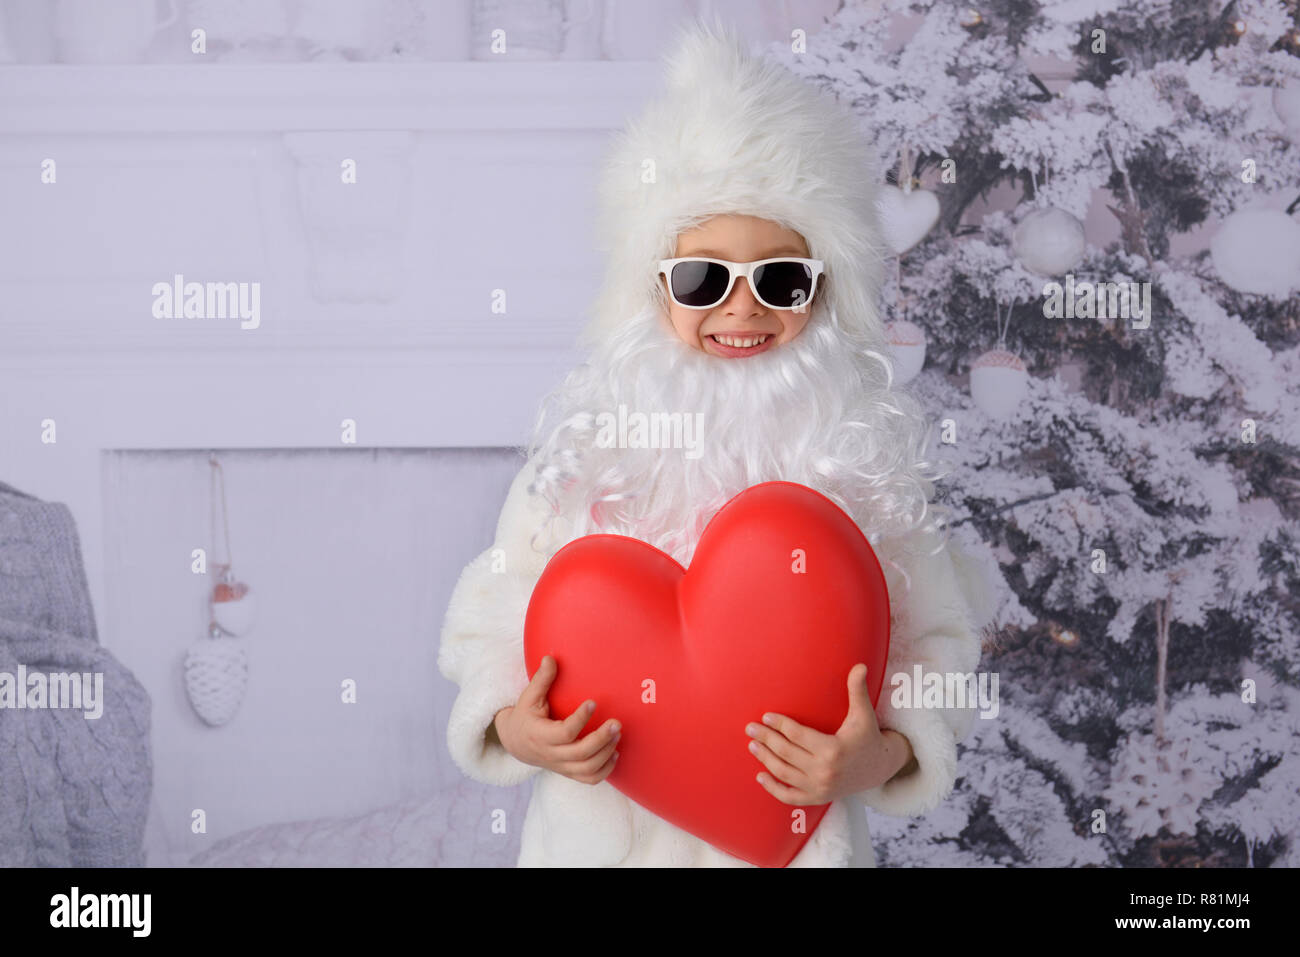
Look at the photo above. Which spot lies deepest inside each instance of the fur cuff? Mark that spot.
(482, 650)
(935, 747)
(495, 685)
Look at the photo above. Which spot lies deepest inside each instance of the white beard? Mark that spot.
(806, 411)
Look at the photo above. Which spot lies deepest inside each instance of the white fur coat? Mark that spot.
(573, 824)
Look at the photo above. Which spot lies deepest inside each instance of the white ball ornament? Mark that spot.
(1049, 241)
(1258, 251)
(906, 216)
(907, 349)
(1286, 103)
(998, 383)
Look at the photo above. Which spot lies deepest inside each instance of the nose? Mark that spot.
(741, 301)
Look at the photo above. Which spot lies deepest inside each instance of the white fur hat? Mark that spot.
(737, 133)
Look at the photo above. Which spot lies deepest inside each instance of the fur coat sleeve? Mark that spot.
(482, 644)
(937, 607)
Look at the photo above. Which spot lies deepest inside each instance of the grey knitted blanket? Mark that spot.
(74, 790)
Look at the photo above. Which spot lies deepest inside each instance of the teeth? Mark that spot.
(745, 343)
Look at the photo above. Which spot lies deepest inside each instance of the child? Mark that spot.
(783, 371)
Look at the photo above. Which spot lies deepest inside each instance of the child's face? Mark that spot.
(740, 316)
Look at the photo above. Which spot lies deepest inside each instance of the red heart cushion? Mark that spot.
(685, 659)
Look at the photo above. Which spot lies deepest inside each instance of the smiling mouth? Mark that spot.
(741, 342)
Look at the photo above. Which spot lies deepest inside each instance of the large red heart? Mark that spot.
(784, 595)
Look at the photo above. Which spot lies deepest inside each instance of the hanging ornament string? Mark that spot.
(1002, 326)
(218, 476)
(1047, 178)
(216, 667)
(905, 184)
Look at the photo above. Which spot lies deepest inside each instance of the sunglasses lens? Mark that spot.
(784, 285)
(699, 284)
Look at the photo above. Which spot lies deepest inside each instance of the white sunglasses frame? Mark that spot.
(747, 270)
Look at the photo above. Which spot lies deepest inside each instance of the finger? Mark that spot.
(592, 763)
(563, 732)
(779, 744)
(782, 792)
(783, 771)
(534, 696)
(861, 713)
(605, 770)
(810, 739)
(590, 743)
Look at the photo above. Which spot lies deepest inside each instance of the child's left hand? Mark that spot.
(805, 766)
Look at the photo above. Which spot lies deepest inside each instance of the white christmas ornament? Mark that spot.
(1286, 103)
(998, 383)
(1049, 241)
(216, 676)
(1258, 251)
(1160, 789)
(906, 216)
(907, 349)
(216, 669)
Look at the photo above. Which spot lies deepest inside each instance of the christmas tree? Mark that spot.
(1121, 424)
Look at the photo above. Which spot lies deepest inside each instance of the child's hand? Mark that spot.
(527, 731)
(808, 767)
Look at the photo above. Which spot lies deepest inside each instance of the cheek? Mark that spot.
(792, 325)
(686, 323)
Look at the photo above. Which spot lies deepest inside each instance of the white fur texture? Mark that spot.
(736, 133)
(808, 411)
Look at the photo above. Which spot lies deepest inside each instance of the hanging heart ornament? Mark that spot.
(906, 217)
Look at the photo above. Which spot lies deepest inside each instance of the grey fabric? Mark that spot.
(74, 792)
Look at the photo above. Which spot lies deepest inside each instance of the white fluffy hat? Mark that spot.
(738, 133)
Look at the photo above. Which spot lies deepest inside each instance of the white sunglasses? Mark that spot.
(700, 282)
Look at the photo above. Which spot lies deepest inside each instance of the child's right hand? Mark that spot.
(527, 731)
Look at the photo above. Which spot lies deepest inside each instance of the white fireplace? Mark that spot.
(379, 310)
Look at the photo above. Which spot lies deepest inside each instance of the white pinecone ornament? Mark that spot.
(1159, 789)
(216, 676)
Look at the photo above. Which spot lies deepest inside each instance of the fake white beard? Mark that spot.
(806, 411)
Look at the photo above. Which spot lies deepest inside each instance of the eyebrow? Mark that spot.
(770, 254)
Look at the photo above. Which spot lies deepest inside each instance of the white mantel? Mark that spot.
(201, 170)
(487, 175)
